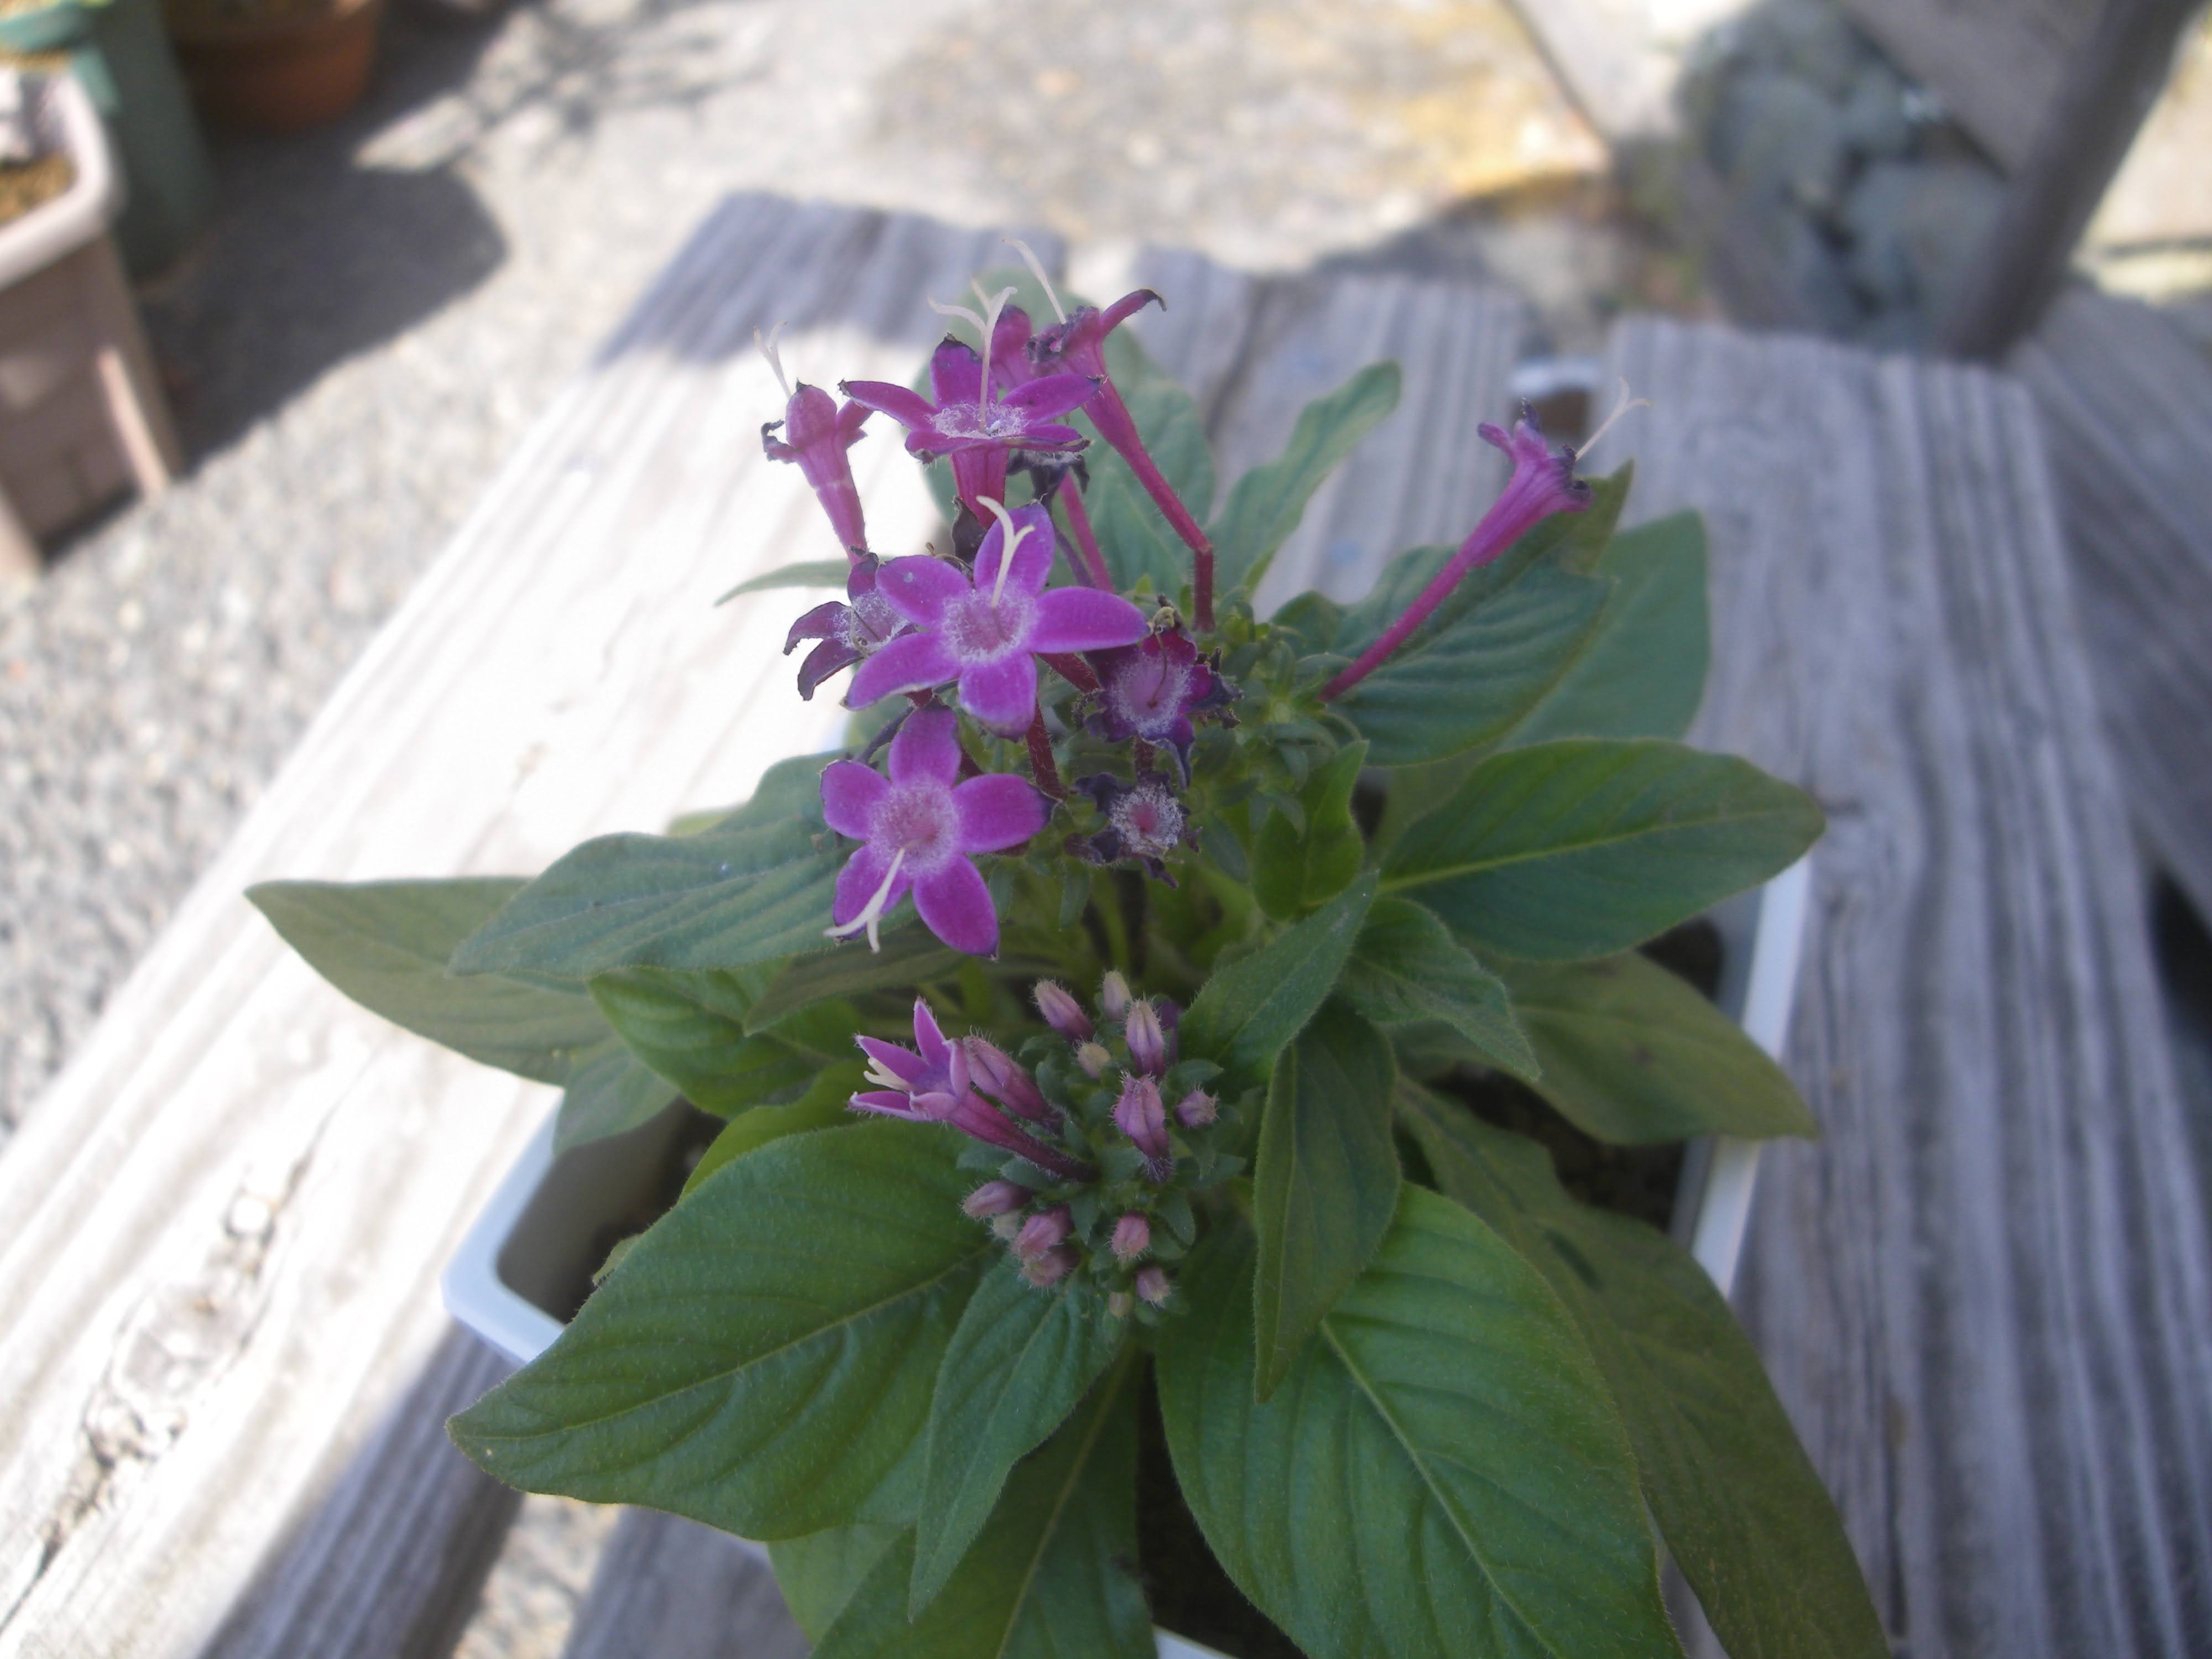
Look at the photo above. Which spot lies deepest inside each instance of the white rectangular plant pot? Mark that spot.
(534, 1235)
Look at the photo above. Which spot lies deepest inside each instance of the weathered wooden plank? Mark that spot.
(1983, 1294)
(220, 1236)
(2125, 399)
(388, 1566)
(675, 1589)
(1998, 63)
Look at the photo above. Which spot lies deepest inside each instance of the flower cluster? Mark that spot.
(1092, 1169)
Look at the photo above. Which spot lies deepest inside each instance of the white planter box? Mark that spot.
(528, 1242)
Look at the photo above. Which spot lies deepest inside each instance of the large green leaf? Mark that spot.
(1295, 871)
(1632, 1054)
(1467, 683)
(1132, 535)
(808, 572)
(1247, 1011)
(1641, 671)
(1052, 1576)
(1327, 1184)
(911, 954)
(823, 1106)
(1267, 502)
(611, 1091)
(1443, 1472)
(1740, 1504)
(761, 1359)
(724, 898)
(1406, 966)
(689, 1026)
(819, 1573)
(1169, 421)
(1020, 1360)
(385, 943)
(1586, 847)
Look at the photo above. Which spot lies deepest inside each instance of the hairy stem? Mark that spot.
(1091, 566)
(1042, 767)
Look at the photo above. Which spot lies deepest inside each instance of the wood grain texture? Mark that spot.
(2126, 398)
(676, 1589)
(221, 1234)
(1983, 1294)
(389, 1566)
(1998, 63)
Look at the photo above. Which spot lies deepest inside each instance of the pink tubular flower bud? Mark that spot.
(1133, 1236)
(1093, 1058)
(1049, 1268)
(1005, 1227)
(998, 1074)
(994, 1197)
(1043, 1232)
(1148, 1043)
(1114, 995)
(1153, 1286)
(1195, 1110)
(1062, 1011)
(1140, 1115)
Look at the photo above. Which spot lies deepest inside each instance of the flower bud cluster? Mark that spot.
(1135, 1124)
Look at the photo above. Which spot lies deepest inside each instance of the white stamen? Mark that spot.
(1036, 270)
(1009, 539)
(942, 310)
(993, 305)
(872, 912)
(1620, 407)
(883, 1077)
(774, 359)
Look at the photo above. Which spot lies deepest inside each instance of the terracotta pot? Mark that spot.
(278, 73)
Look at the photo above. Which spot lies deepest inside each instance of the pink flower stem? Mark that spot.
(1042, 767)
(1116, 425)
(1092, 568)
(1072, 669)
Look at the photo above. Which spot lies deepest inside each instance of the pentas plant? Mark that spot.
(1108, 1047)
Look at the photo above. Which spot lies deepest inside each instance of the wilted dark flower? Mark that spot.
(1145, 821)
(849, 631)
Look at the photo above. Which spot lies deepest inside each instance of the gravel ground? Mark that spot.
(382, 308)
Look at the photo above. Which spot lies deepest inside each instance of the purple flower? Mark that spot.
(920, 829)
(1062, 1011)
(985, 631)
(816, 435)
(1147, 1039)
(979, 432)
(1133, 1236)
(1151, 690)
(994, 1197)
(848, 631)
(1195, 1110)
(1114, 995)
(1152, 1285)
(1543, 483)
(1048, 1269)
(1141, 1114)
(1003, 1077)
(928, 1084)
(1043, 1231)
(1144, 821)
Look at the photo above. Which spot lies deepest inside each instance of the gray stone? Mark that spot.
(1933, 217)
(1815, 273)
(1778, 140)
(1874, 120)
(1811, 38)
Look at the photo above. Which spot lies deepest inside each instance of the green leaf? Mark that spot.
(724, 898)
(792, 789)
(1442, 1471)
(1327, 1184)
(1132, 535)
(1632, 1054)
(1586, 847)
(689, 1027)
(1051, 1576)
(385, 944)
(808, 572)
(722, 1374)
(1247, 1013)
(1295, 872)
(1585, 535)
(911, 954)
(611, 1092)
(1020, 1360)
(1267, 502)
(1467, 683)
(1406, 966)
(1641, 672)
(822, 1107)
(819, 1573)
(1740, 1504)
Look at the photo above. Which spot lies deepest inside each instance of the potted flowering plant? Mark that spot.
(1108, 1210)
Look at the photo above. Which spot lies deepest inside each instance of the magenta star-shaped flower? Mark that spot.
(919, 827)
(1150, 691)
(930, 1084)
(979, 432)
(986, 631)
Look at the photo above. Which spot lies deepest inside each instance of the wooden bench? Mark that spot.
(1983, 1294)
